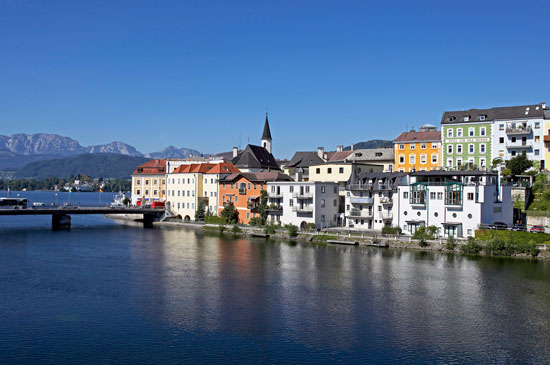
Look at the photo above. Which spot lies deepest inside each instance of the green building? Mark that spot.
(466, 139)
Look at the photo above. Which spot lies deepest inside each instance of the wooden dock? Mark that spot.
(340, 242)
(260, 235)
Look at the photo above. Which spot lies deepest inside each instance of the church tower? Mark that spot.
(266, 136)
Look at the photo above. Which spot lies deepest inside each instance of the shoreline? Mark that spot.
(399, 242)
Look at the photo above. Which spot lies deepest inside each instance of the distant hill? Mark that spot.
(174, 152)
(93, 165)
(373, 143)
(21, 149)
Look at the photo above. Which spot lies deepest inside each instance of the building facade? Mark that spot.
(456, 202)
(149, 182)
(466, 142)
(418, 150)
(303, 204)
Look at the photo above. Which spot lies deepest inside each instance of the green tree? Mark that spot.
(230, 214)
(519, 164)
(423, 234)
(496, 161)
(199, 213)
(262, 208)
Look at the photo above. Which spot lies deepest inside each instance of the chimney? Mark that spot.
(321, 152)
(543, 105)
(339, 148)
(235, 152)
(352, 147)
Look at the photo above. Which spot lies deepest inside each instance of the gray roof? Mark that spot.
(372, 155)
(305, 159)
(436, 173)
(255, 157)
(374, 178)
(546, 113)
(500, 113)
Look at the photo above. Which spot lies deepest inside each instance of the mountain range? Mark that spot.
(20, 149)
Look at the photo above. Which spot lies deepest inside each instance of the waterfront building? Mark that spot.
(149, 182)
(371, 200)
(418, 150)
(374, 156)
(547, 139)
(456, 202)
(303, 204)
(243, 190)
(191, 184)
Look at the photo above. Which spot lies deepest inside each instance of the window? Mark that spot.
(482, 131)
(401, 159)
(449, 132)
(459, 132)
(405, 195)
(335, 202)
(449, 162)
(501, 140)
(434, 158)
(322, 203)
(482, 117)
(466, 118)
(249, 186)
(450, 149)
(513, 139)
(154, 182)
(178, 192)
(501, 127)
(341, 170)
(423, 146)
(537, 152)
(317, 170)
(412, 146)
(439, 196)
(459, 149)
(335, 189)
(423, 159)
(138, 182)
(537, 139)
(146, 182)
(322, 188)
(412, 159)
(432, 195)
(146, 192)
(471, 148)
(329, 170)
(481, 162)
(291, 202)
(205, 180)
(434, 146)
(537, 125)
(471, 132)
(470, 196)
(482, 148)
(155, 192)
(138, 191)
(347, 207)
(401, 146)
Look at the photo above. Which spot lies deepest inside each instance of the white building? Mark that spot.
(519, 129)
(303, 203)
(190, 184)
(369, 200)
(456, 202)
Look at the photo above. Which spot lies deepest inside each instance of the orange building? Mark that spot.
(243, 190)
(418, 151)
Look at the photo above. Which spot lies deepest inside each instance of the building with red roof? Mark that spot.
(149, 182)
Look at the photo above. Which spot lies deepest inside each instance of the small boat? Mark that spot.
(260, 235)
(118, 201)
(339, 242)
(38, 204)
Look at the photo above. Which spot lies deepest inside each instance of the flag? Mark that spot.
(100, 190)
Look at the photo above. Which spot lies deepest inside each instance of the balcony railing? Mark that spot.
(386, 200)
(275, 195)
(304, 209)
(518, 145)
(359, 187)
(361, 200)
(275, 208)
(302, 195)
(356, 213)
(385, 215)
(518, 130)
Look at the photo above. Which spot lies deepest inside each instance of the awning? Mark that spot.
(415, 222)
(452, 223)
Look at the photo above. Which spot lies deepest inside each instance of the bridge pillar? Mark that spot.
(148, 220)
(61, 221)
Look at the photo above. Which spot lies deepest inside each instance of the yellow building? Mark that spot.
(418, 151)
(149, 182)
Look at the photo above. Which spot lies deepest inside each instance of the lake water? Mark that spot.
(112, 292)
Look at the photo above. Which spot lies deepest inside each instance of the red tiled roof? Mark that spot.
(340, 155)
(152, 167)
(223, 168)
(414, 136)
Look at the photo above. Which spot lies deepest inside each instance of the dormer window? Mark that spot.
(466, 118)
(451, 118)
(482, 117)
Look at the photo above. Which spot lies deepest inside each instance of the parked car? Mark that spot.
(519, 227)
(537, 229)
(500, 226)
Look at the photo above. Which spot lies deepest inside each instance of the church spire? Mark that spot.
(266, 135)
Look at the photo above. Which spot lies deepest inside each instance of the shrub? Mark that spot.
(292, 230)
(230, 214)
(214, 219)
(236, 229)
(255, 222)
(472, 247)
(221, 228)
(324, 237)
(423, 234)
(270, 228)
(391, 230)
(450, 244)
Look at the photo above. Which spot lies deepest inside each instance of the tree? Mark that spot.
(496, 161)
(519, 164)
(423, 234)
(199, 213)
(262, 208)
(230, 214)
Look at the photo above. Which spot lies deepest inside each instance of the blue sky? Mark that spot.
(201, 74)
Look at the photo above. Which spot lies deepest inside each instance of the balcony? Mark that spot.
(300, 195)
(356, 213)
(303, 209)
(518, 130)
(359, 187)
(385, 200)
(361, 200)
(275, 195)
(518, 145)
(385, 215)
(275, 209)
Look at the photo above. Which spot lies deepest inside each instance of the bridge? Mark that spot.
(61, 216)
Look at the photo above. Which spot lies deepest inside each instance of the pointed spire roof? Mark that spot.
(267, 133)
